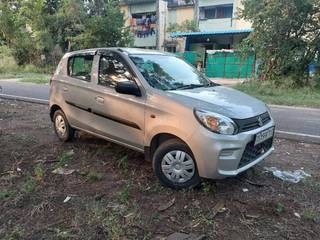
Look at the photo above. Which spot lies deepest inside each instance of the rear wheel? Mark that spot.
(61, 126)
(174, 165)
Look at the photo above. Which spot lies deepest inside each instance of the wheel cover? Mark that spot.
(60, 126)
(178, 166)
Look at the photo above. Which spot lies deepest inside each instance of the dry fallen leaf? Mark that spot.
(63, 171)
(166, 206)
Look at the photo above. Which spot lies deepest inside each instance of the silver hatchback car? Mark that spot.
(155, 103)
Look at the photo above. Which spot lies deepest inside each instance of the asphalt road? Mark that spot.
(294, 120)
(31, 90)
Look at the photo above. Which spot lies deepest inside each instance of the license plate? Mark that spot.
(264, 135)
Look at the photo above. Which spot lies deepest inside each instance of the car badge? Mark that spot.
(260, 121)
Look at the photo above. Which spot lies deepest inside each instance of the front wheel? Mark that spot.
(61, 126)
(174, 165)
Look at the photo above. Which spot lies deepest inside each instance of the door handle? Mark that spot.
(100, 99)
(65, 89)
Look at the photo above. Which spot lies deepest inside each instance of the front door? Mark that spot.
(117, 116)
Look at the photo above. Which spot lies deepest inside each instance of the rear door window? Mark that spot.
(80, 67)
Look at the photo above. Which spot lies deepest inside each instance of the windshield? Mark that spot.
(168, 72)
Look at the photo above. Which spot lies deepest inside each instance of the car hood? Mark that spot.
(222, 100)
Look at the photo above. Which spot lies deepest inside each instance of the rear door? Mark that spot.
(77, 90)
(117, 116)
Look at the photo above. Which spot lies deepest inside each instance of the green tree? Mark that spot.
(185, 26)
(286, 36)
(14, 31)
(39, 31)
(104, 26)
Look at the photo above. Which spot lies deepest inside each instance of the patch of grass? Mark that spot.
(107, 219)
(36, 78)
(64, 158)
(123, 195)
(63, 234)
(310, 214)
(157, 217)
(279, 208)
(200, 216)
(208, 187)
(41, 207)
(29, 185)
(23, 138)
(39, 172)
(123, 163)
(27, 73)
(113, 225)
(7, 194)
(272, 94)
(18, 232)
(311, 184)
(94, 176)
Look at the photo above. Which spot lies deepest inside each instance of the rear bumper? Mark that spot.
(218, 156)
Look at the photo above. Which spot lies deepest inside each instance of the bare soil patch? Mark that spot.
(115, 195)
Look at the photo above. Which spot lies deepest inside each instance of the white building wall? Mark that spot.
(223, 23)
(162, 20)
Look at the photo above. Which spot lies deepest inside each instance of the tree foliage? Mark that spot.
(286, 36)
(40, 31)
(185, 26)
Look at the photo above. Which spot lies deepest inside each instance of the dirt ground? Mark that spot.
(113, 193)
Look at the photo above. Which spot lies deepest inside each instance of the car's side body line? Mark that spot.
(110, 117)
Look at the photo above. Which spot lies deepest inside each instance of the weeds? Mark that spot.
(123, 195)
(94, 176)
(272, 94)
(200, 216)
(40, 208)
(64, 158)
(113, 226)
(36, 78)
(310, 214)
(279, 208)
(29, 186)
(208, 187)
(123, 163)
(39, 172)
(7, 194)
(17, 232)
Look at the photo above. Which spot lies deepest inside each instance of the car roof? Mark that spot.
(127, 51)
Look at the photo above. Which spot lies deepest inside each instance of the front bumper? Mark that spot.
(219, 156)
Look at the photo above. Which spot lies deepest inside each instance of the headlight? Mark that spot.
(216, 122)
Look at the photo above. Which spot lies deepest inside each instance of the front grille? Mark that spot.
(252, 152)
(249, 124)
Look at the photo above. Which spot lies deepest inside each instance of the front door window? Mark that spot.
(112, 70)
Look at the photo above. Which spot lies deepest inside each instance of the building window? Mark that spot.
(143, 25)
(215, 12)
(171, 49)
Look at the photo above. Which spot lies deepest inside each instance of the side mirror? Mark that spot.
(128, 87)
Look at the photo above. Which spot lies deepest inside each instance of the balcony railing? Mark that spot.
(180, 3)
(131, 2)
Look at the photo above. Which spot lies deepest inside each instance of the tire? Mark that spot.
(64, 131)
(179, 174)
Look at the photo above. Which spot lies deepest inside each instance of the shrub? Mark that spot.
(7, 62)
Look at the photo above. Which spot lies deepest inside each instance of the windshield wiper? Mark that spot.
(189, 86)
(212, 84)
